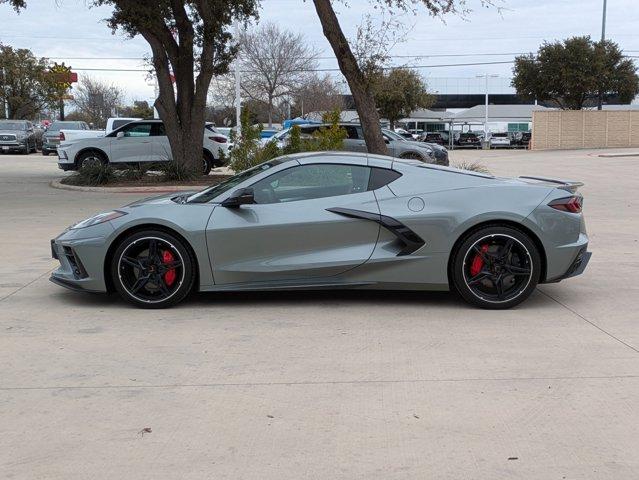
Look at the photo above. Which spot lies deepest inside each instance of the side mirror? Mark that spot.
(119, 135)
(243, 196)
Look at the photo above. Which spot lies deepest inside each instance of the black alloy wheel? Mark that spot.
(496, 267)
(152, 269)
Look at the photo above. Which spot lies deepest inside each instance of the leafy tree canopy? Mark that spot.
(399, 92)
(25, 86)
(574, 72)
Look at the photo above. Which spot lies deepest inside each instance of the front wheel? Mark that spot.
(496, 267)
(153, 269)
(90, 159)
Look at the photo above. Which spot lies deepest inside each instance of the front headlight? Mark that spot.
(99, 218)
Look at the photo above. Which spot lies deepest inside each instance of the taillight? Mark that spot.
(568, 204)
(62, 137)
(218, 139)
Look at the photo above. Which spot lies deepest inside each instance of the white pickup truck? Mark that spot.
(70, 136)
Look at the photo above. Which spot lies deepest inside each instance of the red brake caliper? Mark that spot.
(169, 276)
(478, 262)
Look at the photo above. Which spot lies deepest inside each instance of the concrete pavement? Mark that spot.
(329, 385)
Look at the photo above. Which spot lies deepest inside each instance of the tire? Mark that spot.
(147, 285)
(207, 163)
(90, 158)
(495, 267)
(45, 153)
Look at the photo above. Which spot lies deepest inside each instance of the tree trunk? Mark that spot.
(181, 107)
(364, 100)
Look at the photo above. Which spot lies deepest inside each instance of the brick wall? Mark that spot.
(568, 129)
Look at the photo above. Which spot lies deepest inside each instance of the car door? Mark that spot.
(289, 233)
(354, 141)
(161, 148)
(134, 145)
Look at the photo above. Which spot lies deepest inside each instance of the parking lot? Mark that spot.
(348, 385)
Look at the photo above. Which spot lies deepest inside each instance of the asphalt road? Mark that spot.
(331, 385)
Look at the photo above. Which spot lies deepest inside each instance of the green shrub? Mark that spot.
(472, 167)
(176, 172)
(247, 150)
(134, 173)
(94, 174)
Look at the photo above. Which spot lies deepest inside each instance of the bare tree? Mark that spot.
(273, 63)
(317, 94)
(96, 100)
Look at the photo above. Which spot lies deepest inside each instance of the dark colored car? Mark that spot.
(51, 138)
(432, 137)
(17, 136)
(522, 139)
(467, 139)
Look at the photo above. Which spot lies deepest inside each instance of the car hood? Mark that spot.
(11, 132)
(165, 198)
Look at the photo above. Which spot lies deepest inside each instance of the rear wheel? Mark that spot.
(207, 164)
(152, 269)
(496, 267)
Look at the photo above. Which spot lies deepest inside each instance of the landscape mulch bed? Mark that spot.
(151, 181)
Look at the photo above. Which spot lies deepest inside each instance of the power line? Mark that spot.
(313, 69)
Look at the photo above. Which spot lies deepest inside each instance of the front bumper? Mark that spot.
(16, 146)
(81, 254)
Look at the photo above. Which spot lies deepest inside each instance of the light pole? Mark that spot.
(486, 105)
(238, 88)
(603, 37)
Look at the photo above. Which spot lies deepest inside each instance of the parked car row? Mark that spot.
(397, 145)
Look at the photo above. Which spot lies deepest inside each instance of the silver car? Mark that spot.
(334, 220)
(354, 142)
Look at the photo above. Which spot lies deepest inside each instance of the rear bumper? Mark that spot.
(577, 267)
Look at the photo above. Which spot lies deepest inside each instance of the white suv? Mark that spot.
(143, 141)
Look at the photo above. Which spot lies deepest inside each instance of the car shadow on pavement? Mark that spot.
(335, 298)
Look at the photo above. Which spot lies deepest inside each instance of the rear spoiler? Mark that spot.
(568, 185)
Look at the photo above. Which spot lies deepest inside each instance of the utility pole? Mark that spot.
(238, 88)
(603, 38)
(5, 99)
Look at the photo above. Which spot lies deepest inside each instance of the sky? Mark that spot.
(69, 31)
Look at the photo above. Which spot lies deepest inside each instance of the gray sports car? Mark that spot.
(334, 220)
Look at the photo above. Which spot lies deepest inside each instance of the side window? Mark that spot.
(138, 130)
(352, 132)
(307, 182)
(158, 130)
(381, 176)
(307, 133)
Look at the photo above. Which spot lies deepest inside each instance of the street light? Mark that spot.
(486, 76)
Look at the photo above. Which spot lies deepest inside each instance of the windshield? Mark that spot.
(13, 126)
(65, 125)
(393, 136)
(216, 190)
(281, 134)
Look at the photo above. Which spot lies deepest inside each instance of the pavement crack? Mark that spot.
(320, 382)
(631, 347)
(27, 284)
